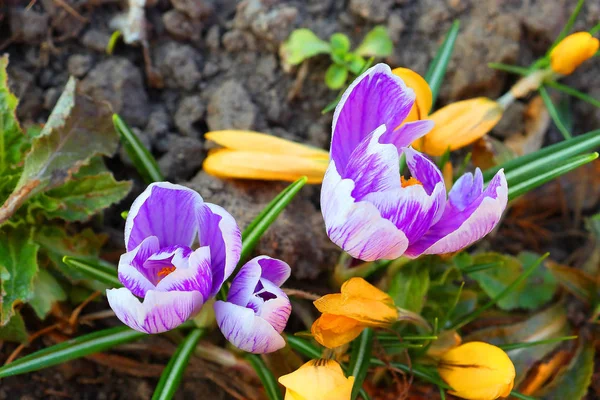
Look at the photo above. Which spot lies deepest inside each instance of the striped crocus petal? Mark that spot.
(132, 273)
(159, 312)
(193, 275)
(470, 214)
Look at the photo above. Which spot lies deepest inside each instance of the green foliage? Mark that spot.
(437, 69)
(409, 286)
(304, 44)
(360, 359)
(574, 380)
(12, 139)
(46, 291)
(15, 330)
(266, 377)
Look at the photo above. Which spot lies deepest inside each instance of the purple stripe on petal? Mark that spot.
(276, 310)
(244, 283)
(219, 231)
(172, 255)
(407, 133)
(246, 331)
(466, 189)
(458, 229)
(274, 270)
(357, 227)
(131, 272)
(375, 98)
(160, 311)
(166, 211)
(195, 276)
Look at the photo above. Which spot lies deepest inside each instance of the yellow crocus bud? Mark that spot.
(477, 371)
(317, 380)
(573, 50)
(346, 314)
(424, 98)
(460, 124)
(254, 155)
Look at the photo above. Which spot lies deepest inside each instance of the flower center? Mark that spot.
(409, 182)
(163, 272)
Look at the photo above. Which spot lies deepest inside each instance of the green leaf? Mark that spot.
(18, 268)
(573, 92)
(355, 63)
(46, 292)
(437, 69)
(143, 161)
(340, 43)
(554, 113)
(303, 346)
(523, 345)
(266, 377)
(173, 373)
(409, 286)
(335, 76)
(359, 359)
(534, 292)
(78, 129)
(71, 349)
(565, 30)
(513, 69)
(302, 44)
(377, 43)
(575, 381)
(15, 330)
(94, 270)
(12, 139)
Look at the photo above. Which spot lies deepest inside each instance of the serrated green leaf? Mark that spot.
(12, 139)
(377, 43)
(78, 129)
(573, 383)
(18, 268)
(46, 291)
(15, 330)
(302, 44)
(335, 76)
(409, 287)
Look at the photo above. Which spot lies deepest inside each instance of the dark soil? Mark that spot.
(215, 65)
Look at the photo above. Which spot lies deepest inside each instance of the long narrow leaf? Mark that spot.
(574, 92)
(558, 170)
(71, 349)
(554, 114)
(359, 360)
(513, 69)
(437, 68)
(143, 161)
(303, 347)
(513, 346)
(565, 30)
(94, 270)
(173, 373)
(266, 377)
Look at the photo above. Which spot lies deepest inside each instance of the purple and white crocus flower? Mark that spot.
(371, 212)
(160, 265)
(256, 310)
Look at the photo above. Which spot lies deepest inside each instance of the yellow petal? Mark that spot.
(460, 124)
(446, 341)
(335, 330)
(317, 380)
(477, 371)
(361, 301)
(226, 163)
(572, 51)
(263, 143)
(422, 90)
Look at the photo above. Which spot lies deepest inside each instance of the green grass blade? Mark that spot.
(303, 347)
(554, 113)
(525, 186)
(530, 163)
(513, 346)
(143, 161)
(521, 396)
(173, 373)
(71, 349)
(565, 30)
(359, 360)
(94, 270)
(266, 377)
(513, 69)
(437, 69)
(574, 92)
(267, 216)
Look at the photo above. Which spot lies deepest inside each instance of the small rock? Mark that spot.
(395, 27)
(210, 69)
(270, 24)
(373, 11)
(22, 84)
(158, 124)
(230, 107)
(29, 26)
(79, 64)
(50, 98)
(163, 143)
(194, 9)
(119, 82)
(183, 158)
(190, 110)
(182, 27)
(237, 40)
(179, 65)
(512, 121)
(96, 40)
(213, 38)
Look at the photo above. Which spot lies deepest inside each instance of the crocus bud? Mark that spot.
(460, 124)
(423, 101)
(317, 380)
(572, 51)
(477, 371)
(346, 314)
(253, 155)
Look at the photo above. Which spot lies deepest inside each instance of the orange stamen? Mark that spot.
(409, 182)
(165, 271)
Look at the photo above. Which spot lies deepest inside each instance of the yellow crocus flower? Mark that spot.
(422, 90)
(460, 124)
(477, 371)
(254, 155)
(573, 50)
(317, 380)
(346, 314)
